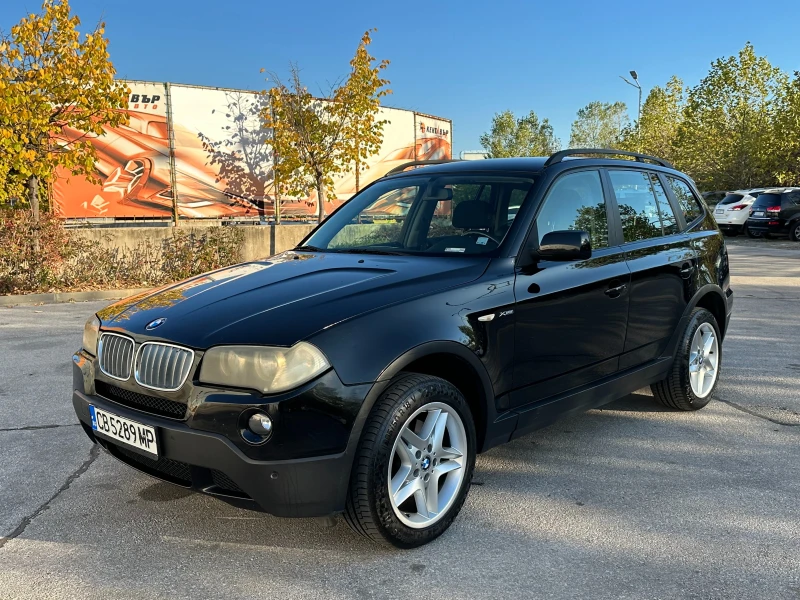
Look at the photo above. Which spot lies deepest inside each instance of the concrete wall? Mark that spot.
(260, 241)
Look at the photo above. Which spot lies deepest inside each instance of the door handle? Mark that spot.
(614, 292)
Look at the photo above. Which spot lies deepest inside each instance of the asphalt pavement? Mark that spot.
(631, 501)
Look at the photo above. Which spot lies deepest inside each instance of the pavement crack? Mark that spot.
(20, 529)
(755, 414)
(37, 427)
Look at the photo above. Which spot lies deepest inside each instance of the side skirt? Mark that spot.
(545, 412)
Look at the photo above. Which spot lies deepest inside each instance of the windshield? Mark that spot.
(433, 215)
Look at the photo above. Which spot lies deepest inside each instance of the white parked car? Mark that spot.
(733, 210)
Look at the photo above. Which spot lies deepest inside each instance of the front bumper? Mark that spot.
(200, 452)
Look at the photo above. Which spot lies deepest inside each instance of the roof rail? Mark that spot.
(557, 157)
(419, 163)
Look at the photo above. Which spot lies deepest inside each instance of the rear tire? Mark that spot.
(794, 231)
(698, 358)
(753, 234)
(406, 450)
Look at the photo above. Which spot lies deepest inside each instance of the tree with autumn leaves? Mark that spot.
(314, 139)
(737, 128)
(52, 79)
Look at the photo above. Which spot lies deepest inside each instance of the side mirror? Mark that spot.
(564, 245)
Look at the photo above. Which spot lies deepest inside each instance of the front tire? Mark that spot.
(414, 463)
(695, 371)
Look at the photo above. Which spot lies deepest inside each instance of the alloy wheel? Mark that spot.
(703, 360)
(427, 465)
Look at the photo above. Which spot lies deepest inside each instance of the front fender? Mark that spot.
(374, 345)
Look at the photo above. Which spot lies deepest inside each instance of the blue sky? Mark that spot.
(462, 60)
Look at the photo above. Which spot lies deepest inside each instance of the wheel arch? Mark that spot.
(452, 362)
(712, 299)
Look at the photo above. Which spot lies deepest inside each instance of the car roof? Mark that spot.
(530, 164)
(780, 190)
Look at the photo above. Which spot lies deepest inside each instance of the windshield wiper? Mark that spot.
(371, 251)
(310, 249)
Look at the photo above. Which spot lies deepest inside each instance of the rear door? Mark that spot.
(660, 257)
(570, 316)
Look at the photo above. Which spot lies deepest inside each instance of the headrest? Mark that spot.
(472, 214)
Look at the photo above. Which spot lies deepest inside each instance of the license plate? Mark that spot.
(124, 430)
(720, 211)
(758, 213)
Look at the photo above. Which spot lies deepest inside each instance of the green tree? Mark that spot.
(365, 87)
(52, 81)
(314, 139)
(525, 136)
(785, 163)
(662, 114)
(599, 125)
(724, 139)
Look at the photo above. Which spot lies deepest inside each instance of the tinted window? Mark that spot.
(514, 202)
(765, 200)
(642, 202)
(576, 202)
(731, 199)
(686, 199)
(669, 223)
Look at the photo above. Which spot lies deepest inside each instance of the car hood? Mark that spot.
(284, 299)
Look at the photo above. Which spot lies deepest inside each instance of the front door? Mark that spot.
(570, 316)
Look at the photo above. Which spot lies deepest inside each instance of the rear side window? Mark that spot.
(686, 199)
(669, 223)
(576, 202)
(731, 199)
(643, 206)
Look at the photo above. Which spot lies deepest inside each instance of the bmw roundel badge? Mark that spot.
(157, 323)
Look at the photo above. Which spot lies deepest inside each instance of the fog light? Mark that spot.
(260, 424)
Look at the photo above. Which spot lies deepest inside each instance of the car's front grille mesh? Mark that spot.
(151, 404)
(165, 468)
(163, 366)
(116, 355)
(224, 482)
(178, 472)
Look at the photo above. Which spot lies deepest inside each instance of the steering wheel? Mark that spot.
(481, 234)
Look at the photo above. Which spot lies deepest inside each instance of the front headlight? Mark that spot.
(90, 332)
(269, 370)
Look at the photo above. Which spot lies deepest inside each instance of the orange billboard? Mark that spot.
(220, 164)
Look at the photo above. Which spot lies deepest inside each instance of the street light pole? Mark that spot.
(635, 77)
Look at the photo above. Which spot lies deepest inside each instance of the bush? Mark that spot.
(66, 261)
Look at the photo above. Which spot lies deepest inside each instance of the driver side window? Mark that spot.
(576, 202)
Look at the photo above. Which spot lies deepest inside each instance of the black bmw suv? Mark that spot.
(438, 313)
(776, 211)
